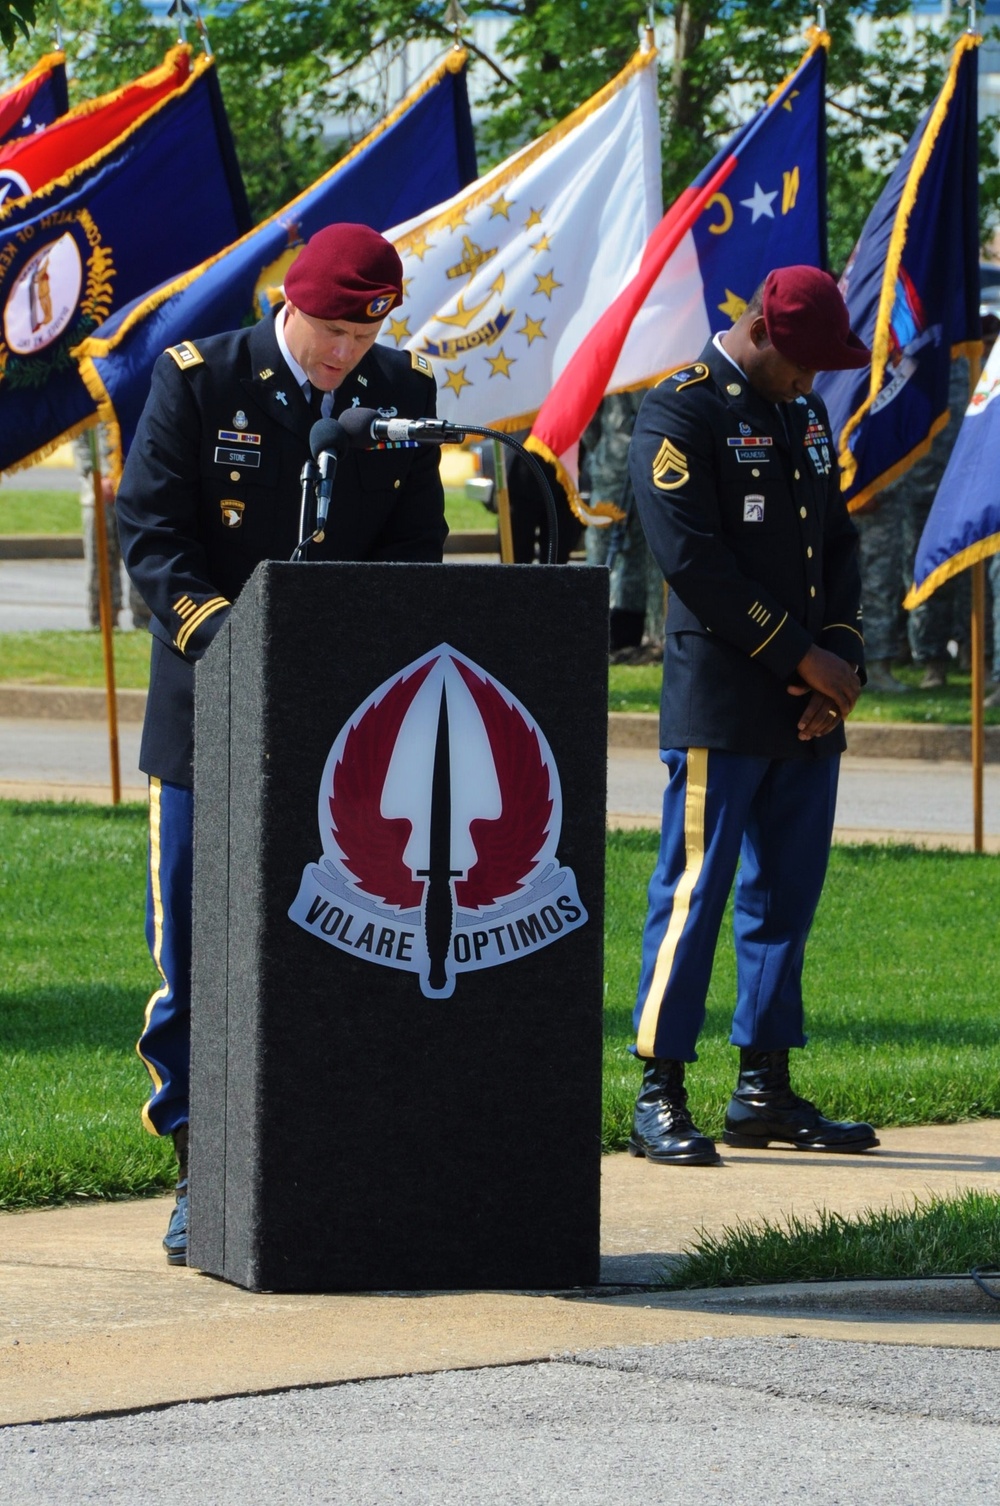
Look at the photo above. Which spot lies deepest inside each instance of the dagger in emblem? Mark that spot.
(439, 901)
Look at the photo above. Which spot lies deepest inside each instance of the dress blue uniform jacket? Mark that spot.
(211, 487)
(741, 505)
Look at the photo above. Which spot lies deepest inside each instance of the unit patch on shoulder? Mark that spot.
(670, 468)
(420, 363)
(186, 355)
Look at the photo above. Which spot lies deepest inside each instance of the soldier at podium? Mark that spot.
(210, 489)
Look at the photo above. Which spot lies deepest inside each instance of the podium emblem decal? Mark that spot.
(440, 812)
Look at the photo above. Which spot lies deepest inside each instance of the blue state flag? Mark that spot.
(163, 195)
(963, 525)
(912, 288)
(422, 153)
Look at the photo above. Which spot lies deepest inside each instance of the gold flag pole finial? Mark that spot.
(455, 17)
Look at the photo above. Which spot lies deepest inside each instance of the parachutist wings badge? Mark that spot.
(440, 812)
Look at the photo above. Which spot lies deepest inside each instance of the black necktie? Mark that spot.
(316, 402)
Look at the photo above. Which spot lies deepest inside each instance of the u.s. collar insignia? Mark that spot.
(362, 381)
(240, 420)
(268, 371)
(232, 512)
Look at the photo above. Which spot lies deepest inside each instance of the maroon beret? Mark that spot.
(807, 321)
(346, 272)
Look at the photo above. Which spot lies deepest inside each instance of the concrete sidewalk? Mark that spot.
(89, 1301)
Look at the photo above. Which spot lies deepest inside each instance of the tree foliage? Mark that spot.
(287, 70)
(16, 20)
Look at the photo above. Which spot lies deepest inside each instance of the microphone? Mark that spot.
(328, 440)
(366, 429)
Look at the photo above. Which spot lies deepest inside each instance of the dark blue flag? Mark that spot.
(421, 154)
(912, 288)
(39, 99)
(165, 194)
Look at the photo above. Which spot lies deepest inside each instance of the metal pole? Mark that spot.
(978, 643)
(503, 504)
(977, 647)
(107, 619)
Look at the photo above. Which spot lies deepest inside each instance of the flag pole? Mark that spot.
(104, 598)
(503, 504)
(977, 649)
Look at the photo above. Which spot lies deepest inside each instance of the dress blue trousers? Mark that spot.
(773, 818)
(165, 1043)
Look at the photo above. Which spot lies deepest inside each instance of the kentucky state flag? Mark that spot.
(39, 99)
(168, 194)
(503, 280)
(422, 152)
(760, 203)
(72, 142)
(963, 526)
(912, 288)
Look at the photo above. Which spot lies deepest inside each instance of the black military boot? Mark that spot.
(764, 1108)
(175, 1241)
(662, 1130)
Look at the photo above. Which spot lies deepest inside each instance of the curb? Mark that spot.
(626, 729)
(928, 740)
(70, 703)
(41, 546)
(925, 1295)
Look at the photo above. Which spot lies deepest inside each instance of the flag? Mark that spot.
(963, 525)
(421, 153)
(760, 203)
(28, 164)
(504, 279)
(39, 99)
(168, 194)
(912, 288)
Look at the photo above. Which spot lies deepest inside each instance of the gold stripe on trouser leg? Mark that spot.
(694, 859)
(154, 873)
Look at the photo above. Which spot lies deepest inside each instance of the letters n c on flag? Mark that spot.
(39, 99)
(421, 153)
(166, 194)
(912, 290)
(760, 203)
(502, 281)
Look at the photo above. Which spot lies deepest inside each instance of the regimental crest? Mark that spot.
(440, 812)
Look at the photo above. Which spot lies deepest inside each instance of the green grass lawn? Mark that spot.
(637, 688)
(902, 981)
(73, 658)
(59, 511)
(39, 512)
(936, 1237)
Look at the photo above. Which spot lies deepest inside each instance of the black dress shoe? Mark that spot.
(663, 1130)
(175, 1241)
(764, 1109)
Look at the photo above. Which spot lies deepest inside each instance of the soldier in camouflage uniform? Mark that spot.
(637, 600)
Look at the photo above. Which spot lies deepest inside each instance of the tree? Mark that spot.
(16, 19)
(285, 70)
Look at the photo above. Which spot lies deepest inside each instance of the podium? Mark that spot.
(400, 790)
